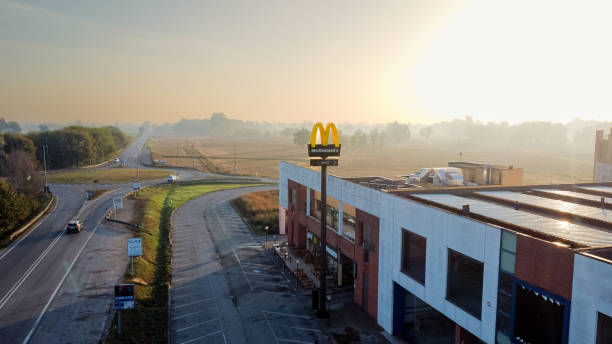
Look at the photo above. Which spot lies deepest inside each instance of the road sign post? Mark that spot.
(134, 250)
(124, 299)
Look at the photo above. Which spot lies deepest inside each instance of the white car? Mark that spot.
(172, 178)
(116, 160)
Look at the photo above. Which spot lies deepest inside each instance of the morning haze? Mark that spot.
(410, 61)
(287, 171)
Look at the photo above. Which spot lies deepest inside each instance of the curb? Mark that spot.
(34, 220)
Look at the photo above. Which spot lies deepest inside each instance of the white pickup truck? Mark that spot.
(172, 178)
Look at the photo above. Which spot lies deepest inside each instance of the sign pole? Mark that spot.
(132, 265)
(323, 258)
(119, 321)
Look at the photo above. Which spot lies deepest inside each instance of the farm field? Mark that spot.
(541, 166)
(106, 176)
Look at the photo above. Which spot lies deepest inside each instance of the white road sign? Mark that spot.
(134, 247)
(118, 202)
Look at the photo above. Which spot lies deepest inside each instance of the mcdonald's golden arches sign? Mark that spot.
(325, 148)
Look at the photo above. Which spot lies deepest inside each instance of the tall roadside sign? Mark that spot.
(124, 299)
(319, 154)
(134, 250)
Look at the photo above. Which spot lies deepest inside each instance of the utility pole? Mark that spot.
(45, 148)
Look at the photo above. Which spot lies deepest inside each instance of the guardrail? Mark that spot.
(34, 220)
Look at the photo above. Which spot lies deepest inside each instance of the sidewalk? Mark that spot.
(348, 323)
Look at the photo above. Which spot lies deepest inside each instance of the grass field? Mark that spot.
(259, 209)
(148, 322)
(105, 176)
(542, 165)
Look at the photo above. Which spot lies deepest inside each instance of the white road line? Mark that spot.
(292, 341)
(16, 243)
(255, 264)
(198, 324)
(289, 314)
(270, 326)
(193, 303)
(264, 275)
(241, 268)
(182, 296)
(189, 314)
(202, 337)
(181, 287)
(18, 284)
(27, 339)
(182, 265)
(299, 328)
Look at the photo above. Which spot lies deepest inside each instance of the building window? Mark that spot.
(293, 196)
(507, 258)
(604, 328)
(507, 263)
(367, 237)
(464, 282)
(414, 249)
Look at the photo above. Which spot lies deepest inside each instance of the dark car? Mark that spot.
(74, 226)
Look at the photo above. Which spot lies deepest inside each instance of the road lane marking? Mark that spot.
(42, 313)
(16, 243)
(190, 314)
(242, 269)
(32, 267)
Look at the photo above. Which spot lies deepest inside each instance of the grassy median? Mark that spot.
(106, 176)
(148, 322)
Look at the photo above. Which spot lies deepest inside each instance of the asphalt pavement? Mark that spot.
(225, 288)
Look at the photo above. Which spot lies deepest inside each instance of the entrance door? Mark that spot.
(365, 292)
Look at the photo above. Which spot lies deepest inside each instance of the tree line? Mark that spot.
(21, 156)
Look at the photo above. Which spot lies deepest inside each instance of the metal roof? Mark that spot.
(573, 194)
(588, 236)
(607, 189)
(561, 206)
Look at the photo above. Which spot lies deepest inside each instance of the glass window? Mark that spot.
(414, 250)
(604, 328)
(368, 238)
(509, 241)
(505, 282)
(464, 282)
(293, 196)
(507, 262)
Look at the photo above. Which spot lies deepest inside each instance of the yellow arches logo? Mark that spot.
(324, 134)
(324, 149)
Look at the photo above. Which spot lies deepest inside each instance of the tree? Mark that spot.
(43, 127)
(358, 138)
(13, 142)
(301, 137)
(397, 132)
(426, 132)
(23, 173)
(13, 127)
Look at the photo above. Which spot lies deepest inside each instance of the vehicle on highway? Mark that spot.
(74, 226)
(172, 178)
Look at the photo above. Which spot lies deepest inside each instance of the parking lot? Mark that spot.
(225, 287)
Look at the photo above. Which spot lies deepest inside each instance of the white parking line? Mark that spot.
(198, 324)
(189, 314)
(299, 328)
(288, 314)
(193, 303)
(292, 341)
(241, 268)
(202, 337)
(182, 296)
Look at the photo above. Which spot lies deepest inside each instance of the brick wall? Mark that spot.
(370, 268)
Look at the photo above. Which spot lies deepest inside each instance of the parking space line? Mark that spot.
(198, 324)
(241, 268)
(189, 314)
(193, 303)
(190, 294)
(260, 274)
(202, 337)
(292, 341)
(182, 265)
(289, 314)
(270, 326)
(299, 328)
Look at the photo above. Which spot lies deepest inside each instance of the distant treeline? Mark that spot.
(77, 146)
(67, 147)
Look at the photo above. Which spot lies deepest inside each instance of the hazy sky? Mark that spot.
(373, 61)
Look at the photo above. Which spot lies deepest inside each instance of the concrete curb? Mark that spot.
(33, 221)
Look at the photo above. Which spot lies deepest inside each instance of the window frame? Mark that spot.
(451, 299)
(406, 236)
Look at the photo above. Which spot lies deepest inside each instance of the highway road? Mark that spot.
(39, 266)
(225, 288)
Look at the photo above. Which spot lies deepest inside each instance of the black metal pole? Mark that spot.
(323, 260)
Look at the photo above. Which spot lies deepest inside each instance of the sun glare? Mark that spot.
(519, 60)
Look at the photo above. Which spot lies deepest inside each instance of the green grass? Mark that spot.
(259, 209)
(148, 322)
(106, 176)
